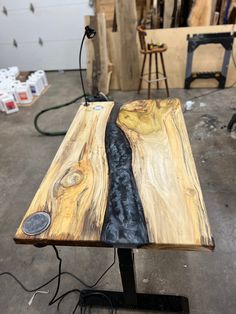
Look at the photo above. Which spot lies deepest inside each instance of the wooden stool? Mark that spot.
(145, 51)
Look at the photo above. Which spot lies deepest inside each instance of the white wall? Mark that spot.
(60, 24)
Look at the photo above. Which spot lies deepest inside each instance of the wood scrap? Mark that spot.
(216, 18)
(201, 13)
(213, 10)
(156, 15)
(168, 10)
(222, 11)
(105, 64)
(114, 55)
(186, 6)
(232, 13)
(107, 7)
(127, 22)
(99, 67)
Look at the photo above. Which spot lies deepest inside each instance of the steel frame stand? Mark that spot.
(129, 298)
(226, 40)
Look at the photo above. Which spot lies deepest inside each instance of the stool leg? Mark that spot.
(140, 80)
(164, 72)
(149, 74)
(157, 76)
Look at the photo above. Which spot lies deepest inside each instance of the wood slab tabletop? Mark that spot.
(123, 178)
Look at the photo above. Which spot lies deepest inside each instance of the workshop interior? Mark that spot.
(118, 156)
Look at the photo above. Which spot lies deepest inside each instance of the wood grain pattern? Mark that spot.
(134, 185)
(201, 13)
(168, 10)
(114, 55)
(74, 190)
(105, 64)
(165, 174)
(126, 22)
(99, 67)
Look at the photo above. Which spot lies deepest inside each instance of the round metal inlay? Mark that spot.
(36, 223)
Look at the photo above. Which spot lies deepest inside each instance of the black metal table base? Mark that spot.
(129, 298)
(145, 302)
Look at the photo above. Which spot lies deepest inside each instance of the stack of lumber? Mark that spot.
(115, 46)
(113, 59)
(174, 13)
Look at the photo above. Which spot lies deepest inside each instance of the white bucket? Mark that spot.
(2, 93)
(24, 94)
(42, 74)
(35, 84)
(13, 71)
(9, 104)
(12, 90)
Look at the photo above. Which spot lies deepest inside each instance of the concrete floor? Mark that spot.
(207, 279)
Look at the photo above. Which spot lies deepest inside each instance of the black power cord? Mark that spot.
(60, 273)
(212, 92)
(89, 33)
(49, 109)
(60, 298)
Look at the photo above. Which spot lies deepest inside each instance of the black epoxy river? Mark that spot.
(124, 223)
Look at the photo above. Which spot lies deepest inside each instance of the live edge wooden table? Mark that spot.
(125, 178)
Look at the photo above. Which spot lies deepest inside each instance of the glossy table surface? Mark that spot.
(130, 182)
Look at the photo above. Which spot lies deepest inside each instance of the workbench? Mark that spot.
(124, 178)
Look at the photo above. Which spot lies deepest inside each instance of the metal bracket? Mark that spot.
(129, 298)
(194, 41)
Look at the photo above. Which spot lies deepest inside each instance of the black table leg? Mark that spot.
(129, 298)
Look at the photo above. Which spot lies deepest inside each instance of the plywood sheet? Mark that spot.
(206, 58)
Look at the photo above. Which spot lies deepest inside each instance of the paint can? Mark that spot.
(13, 71)
(23, 93)
(9, 104)
(36, 85)
(2, 108)
(12, 89)
(42, 74)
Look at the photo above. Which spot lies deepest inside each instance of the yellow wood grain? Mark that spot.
(165, 174)
(74, 190)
